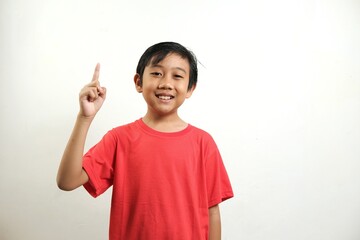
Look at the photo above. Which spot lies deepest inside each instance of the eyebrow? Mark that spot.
(160, 66)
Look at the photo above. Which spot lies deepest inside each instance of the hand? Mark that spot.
(92, 96)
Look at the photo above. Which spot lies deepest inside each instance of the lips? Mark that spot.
(164, 96)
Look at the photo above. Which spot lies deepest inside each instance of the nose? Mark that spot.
(165, 83)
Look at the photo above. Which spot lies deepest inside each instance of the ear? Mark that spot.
(190, 91)
(137, 82)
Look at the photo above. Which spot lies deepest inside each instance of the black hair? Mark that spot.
(159, 51)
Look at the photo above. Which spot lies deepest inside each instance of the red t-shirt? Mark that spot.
(163, 183)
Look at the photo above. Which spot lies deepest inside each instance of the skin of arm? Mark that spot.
(214, 223)
(71, 175)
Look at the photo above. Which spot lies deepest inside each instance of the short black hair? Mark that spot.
(156, 53)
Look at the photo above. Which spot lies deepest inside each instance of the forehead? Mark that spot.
(171, 59)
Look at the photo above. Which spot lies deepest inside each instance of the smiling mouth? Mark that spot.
(162, 97)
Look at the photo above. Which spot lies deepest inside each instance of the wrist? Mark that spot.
(85, 119)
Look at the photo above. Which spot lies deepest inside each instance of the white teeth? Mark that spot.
(165, 97)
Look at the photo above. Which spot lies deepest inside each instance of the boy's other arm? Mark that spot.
(71, 175)
(214, 223)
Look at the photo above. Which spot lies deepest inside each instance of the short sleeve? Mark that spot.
(217, 180)
(98, 163)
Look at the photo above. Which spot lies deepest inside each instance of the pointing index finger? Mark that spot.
(96, 73)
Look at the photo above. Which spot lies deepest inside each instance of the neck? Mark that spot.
(165, 123)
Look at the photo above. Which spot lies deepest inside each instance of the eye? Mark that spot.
(178, 76)
(156, 74)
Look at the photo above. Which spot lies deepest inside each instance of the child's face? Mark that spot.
(164, 85)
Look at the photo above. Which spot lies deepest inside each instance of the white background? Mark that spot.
(279, 90)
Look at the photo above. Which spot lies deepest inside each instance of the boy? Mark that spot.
(167, 175)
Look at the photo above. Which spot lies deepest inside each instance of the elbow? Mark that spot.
(63, 185)
(69, 183)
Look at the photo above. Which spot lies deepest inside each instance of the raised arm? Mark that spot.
(71, 175)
